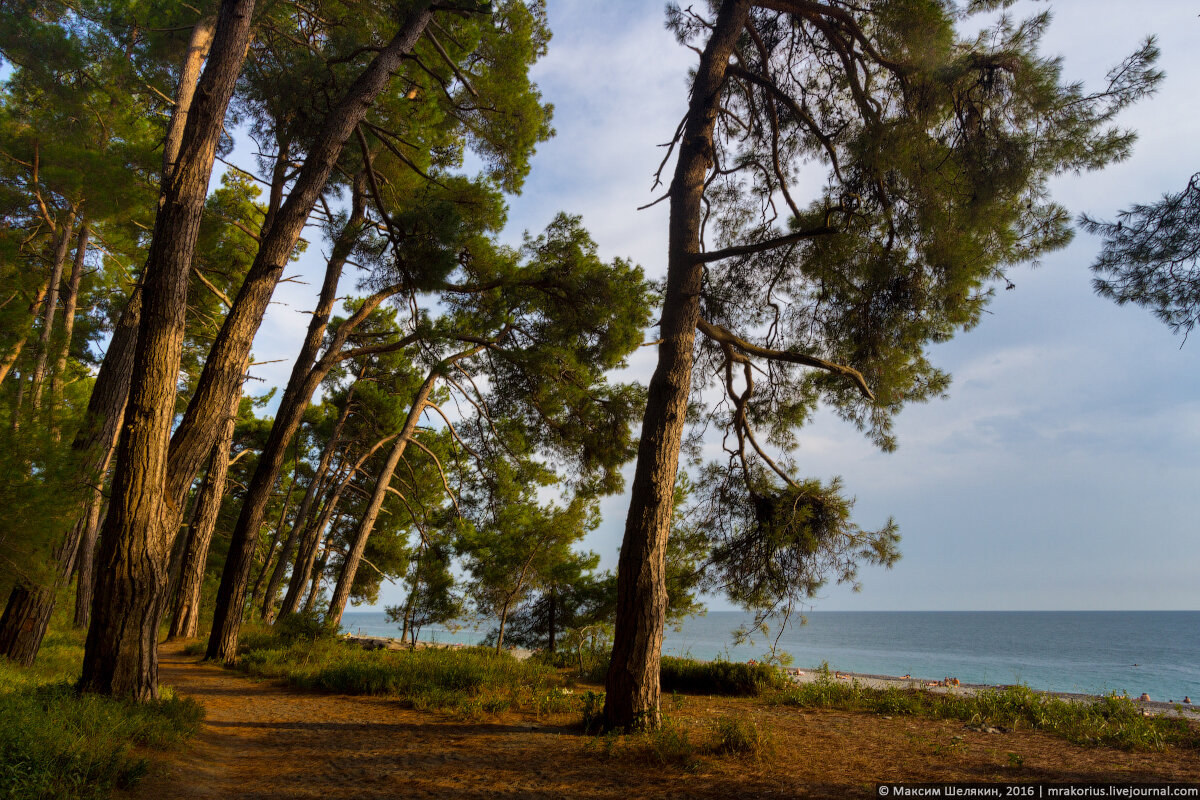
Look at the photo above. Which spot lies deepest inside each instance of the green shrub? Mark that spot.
(720, 677)
(735, 736)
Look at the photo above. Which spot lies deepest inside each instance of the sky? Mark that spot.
(1061, 471)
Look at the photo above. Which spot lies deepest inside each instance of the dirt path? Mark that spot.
(261, 740)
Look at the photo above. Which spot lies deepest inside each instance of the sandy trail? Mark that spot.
(261, 740)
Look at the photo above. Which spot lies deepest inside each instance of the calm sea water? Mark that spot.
(1093, 652)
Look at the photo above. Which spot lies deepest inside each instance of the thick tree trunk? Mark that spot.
(309, 543)
(121, 653)
(632, 684)
(185, 620)
(302, 514)
(341, 595)
(43, 351)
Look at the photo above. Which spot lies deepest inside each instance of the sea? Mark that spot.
(1087, 652)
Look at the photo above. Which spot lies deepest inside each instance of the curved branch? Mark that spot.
(725, 337)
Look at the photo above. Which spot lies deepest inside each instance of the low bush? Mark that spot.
(720, 677)
(736, 736)
(1111, 721)
(56, 743)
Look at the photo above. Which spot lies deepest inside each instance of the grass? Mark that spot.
(57, 743)
(1110, 721)
(468, 681)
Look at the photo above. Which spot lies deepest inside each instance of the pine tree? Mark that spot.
(935, 154)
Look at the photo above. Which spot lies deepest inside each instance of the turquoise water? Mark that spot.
(1093, 652)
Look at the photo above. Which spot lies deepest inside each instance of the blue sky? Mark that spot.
(1061, 472)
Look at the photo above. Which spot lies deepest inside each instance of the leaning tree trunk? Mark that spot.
(632, 684)
(311, 492)
(85, 562)
(303, 382)
(255, 597)
(230, 354)
(319, 572)
(43, 352)
(366, 524)
(310, 542)
(121, 652)
(185, 620)
(70, 300)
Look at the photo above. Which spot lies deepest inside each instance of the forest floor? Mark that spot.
(263, 740)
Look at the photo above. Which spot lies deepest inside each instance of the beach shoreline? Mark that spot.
(801, 675)
(810, 675)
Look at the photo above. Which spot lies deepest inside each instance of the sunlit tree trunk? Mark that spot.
(632, 684)
(302, 514)
(121, 652)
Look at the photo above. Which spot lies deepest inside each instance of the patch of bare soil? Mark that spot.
(261, 740)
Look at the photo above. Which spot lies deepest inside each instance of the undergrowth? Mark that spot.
(57, 743)
(719, 677)
(1110, 720)
(675, 744)
(470, 681)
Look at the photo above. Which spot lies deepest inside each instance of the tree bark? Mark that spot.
(121, 651)
(319, 572)
(185, 90)
(70, 300)
(255, 597)
(632, 684)
(366, 524)
(185, 620)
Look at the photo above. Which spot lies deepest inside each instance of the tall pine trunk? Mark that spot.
(302, 384)
(632, 684)
(121, 652)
